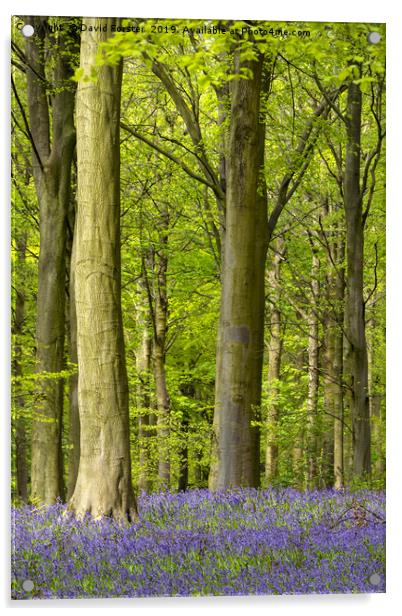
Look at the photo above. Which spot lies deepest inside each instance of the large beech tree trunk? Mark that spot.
(52, 157)
(355, 321)
(104, 485)
(241, 326)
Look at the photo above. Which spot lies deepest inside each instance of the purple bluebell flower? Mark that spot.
(239, 542)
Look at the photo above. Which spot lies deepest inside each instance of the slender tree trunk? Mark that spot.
(328, 421)
(333, 402)
(251, 450)
(274, 364)
(200, 465)
(333, 392)
(74, 418)
(21, 462)
(313, 378)
(338, 410)
(104, 485)
(347, 435)
(163, 407)
(183, 455)
(143, 365)
(297, 461)
(298, 445)
(189, 390)
(356, 336)
(51, 169)
(240, 337)
(160, 316)
(198, 469)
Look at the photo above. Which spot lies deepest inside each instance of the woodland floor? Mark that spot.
(240, 542)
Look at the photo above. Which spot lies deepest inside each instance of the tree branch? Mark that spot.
(168, 154)
(304, 149)
(26, 123)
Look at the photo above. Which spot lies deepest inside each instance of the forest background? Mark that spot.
(251, 160)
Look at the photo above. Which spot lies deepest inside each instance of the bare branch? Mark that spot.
(168, 154)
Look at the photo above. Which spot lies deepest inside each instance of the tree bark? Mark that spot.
(274, 363)
(355, 321)
(51, 170)
(104, 485)
(240, 336)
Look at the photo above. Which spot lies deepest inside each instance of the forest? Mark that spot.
(198, 306)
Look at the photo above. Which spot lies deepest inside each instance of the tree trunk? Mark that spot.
(338, 410)
(104, 485)
(189, 390)
(328, 421)
(356, 336)
(333, 383)
(241, 325)
(297, 461)
(313, 379)
(74, 418)
(21, 461)
(143, 365)
(160, 316)
(274, 364)
(298, 444)
(163, 407)
(333, 403)
(183, 454)
(51, 170)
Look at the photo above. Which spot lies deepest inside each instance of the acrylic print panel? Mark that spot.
(198, 295)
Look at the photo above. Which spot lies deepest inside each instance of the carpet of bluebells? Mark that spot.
(195, 543)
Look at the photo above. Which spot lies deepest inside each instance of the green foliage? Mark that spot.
(200, 64)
